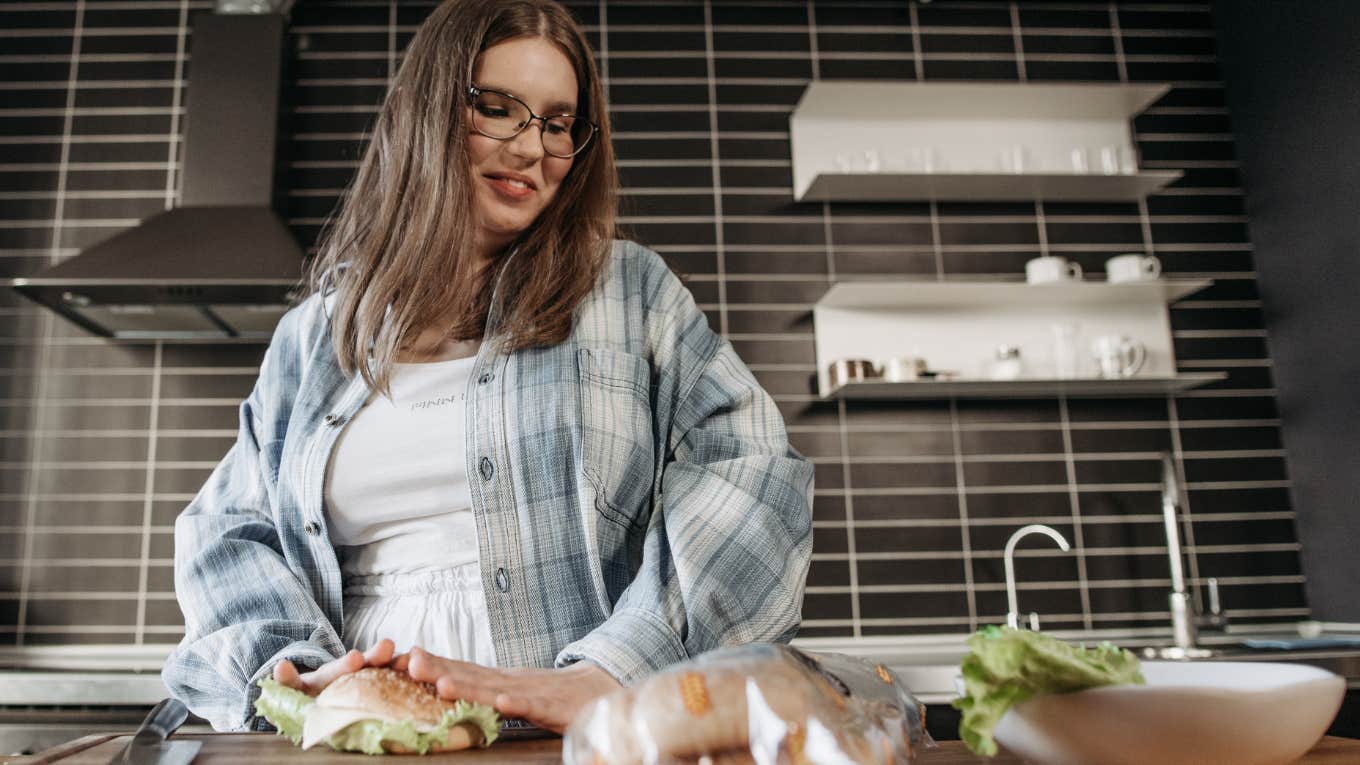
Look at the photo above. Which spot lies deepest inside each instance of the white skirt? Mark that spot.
(443, 612)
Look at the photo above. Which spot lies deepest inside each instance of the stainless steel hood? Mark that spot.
(220, 266)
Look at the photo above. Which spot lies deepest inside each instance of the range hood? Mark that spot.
(221, 266)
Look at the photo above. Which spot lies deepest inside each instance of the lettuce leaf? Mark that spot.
(286, 709)
(1005, 666)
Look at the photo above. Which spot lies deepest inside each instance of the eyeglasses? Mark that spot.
(502, 116)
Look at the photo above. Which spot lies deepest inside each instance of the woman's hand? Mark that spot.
(312, 683)
(548, 698)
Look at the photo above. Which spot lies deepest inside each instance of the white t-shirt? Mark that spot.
(397, 495)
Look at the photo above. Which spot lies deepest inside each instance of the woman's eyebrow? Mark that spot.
(556, 107)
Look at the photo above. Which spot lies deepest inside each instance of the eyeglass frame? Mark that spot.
(474, 91)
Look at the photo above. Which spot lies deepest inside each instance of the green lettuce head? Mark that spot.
(287, 709)
(1005, 666)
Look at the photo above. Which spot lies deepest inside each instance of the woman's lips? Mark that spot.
(509, 189)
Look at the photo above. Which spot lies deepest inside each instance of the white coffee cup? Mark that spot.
(1051, 268)
(1133, 268)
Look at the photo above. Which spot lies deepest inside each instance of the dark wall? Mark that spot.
(102, 445)
(1292, 71)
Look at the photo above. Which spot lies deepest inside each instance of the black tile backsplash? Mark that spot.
(914, 500)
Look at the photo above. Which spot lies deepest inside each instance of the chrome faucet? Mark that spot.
(1183, 619)
(1013, 612)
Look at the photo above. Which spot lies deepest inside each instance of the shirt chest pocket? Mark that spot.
(617, 439)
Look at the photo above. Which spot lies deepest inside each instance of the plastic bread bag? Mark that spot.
(762, 704)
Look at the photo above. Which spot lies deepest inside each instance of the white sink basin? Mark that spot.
(1188, 713)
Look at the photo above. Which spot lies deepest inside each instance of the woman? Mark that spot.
(492, 440)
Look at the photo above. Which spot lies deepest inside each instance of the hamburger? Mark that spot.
(377, 711)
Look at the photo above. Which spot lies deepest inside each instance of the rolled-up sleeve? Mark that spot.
(244, 607)
(728, 544)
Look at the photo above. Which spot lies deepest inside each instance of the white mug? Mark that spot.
(1118, 356)
(1132, 268)
(903, 368)
(1051, 268)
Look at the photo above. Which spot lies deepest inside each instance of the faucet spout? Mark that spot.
(1170, 509)
(1013, 612)
(1183, 617)
(1183, 632)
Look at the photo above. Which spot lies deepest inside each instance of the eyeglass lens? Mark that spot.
(500, 116)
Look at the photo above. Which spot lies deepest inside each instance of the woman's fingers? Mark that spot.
(287, 675)
(516, 707)
(380, 654)
(427, 667)
(545, 697)
(317, 680)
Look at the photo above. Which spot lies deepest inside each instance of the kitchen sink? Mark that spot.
(929, 664)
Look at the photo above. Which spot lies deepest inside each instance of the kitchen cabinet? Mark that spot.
(956, 326)
(884, 141)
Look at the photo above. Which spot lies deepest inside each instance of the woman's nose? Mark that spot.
(529, 143)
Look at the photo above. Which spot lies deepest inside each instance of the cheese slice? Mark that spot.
(323, 722)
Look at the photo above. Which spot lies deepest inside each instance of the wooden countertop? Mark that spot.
(256, 748)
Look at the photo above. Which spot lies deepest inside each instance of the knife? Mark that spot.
(149, 747)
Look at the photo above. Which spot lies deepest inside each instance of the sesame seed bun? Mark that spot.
(390, 694)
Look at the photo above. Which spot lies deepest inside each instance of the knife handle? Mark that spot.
(163, 720)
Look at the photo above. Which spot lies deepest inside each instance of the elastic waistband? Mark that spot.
(466, 578)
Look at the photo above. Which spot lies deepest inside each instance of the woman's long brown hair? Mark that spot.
(399, 252)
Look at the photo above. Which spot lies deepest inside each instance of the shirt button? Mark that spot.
(486, 378)
(332, 419)
(312, 528)
(486, 468)
(502, 580)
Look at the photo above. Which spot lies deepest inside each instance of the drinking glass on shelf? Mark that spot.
(1013, 159)
(1116, 160)
(1065, 353)
(919, 159)
(1081, 162)
(931, 161)
(872, 162)
(842, 162)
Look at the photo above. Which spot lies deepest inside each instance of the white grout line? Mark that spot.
(150, 483)
(1115, 32)
(1018, 40)
(175, 143)
(1074, 504)
(1032, 585)
(965, 534)
(1040, 488)
(47, 323)
(715, 166)
(916, 53)
(602, 6)
(828, 234)
(393, 55)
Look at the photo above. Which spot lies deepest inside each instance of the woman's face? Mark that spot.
(515, 179)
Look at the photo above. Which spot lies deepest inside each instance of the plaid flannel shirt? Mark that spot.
(636, 498)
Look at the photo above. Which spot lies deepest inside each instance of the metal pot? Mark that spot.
(844, 371)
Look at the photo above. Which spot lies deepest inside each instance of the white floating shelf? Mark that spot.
(985, 187)
(877, 390)
(877, 141)
(957, 326)
(913, 100)
(929, 294)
